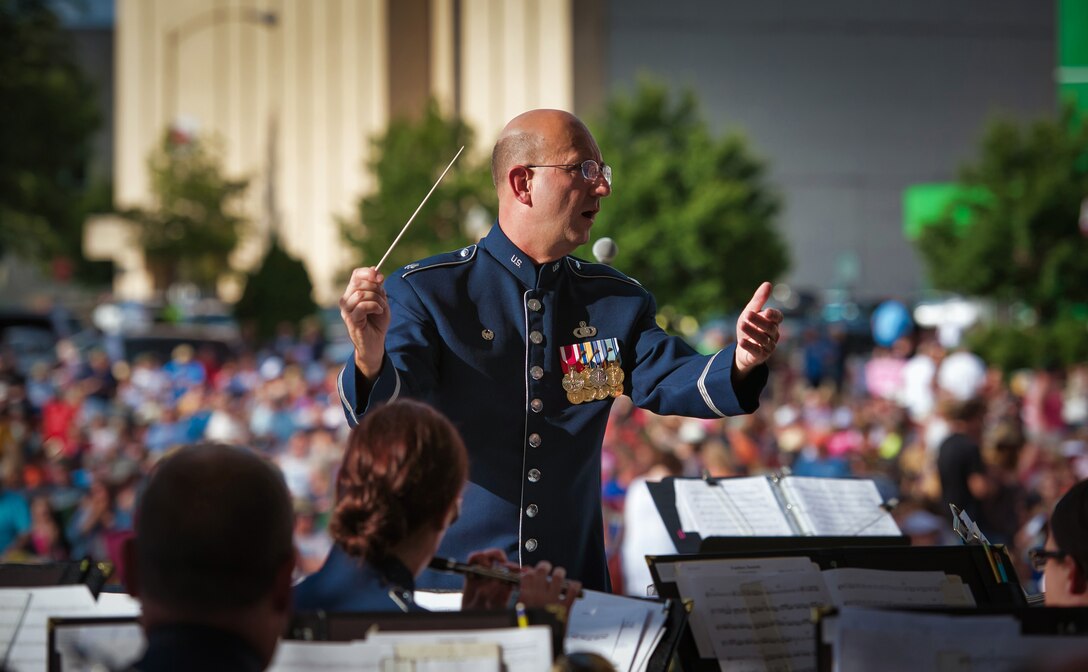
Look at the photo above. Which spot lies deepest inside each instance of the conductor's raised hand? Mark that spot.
(757, 332)
(364, 308)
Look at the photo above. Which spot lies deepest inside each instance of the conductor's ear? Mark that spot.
(519, 178)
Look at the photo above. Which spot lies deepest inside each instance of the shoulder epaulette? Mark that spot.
(461, 256)
(588, 269)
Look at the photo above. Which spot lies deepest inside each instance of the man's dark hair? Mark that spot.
(404, 466)
(213, 528)
(1069, 524)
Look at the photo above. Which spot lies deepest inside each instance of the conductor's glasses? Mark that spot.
(591, 170)
(1039, 557)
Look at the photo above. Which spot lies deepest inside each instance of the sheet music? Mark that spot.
(651, 637)
(762, 624)
(528, 649)
(622, 629)
(294, 656)
(753, 619)
(28, 653)
(693, 577)
(878, 587)
(734, 507)
(458, 657)
(712, 568)
(668, 570)
(834, 507)
(438, 600)
(754, 613)
(117, 604)
(13, 603)
(114, 645)
(870, 639)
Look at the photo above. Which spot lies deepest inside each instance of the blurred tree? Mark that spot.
(1026, 239)
(191, 233)
(406, 161)
(692, 214)
(280, 290)
(46, 121)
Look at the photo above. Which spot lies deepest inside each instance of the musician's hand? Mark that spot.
(757, 333)
(542, 586)
(484, 593)
(364, 309)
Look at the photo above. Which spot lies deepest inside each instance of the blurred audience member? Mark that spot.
(14, 518)
(965, 480)
(90, 525)
(313, 541)
(45, 540)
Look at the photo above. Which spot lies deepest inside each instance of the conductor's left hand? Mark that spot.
(757, 332)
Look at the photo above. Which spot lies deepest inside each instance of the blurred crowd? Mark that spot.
(927, 423)
(77, 438)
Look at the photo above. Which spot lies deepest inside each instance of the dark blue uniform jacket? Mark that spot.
(183, 648)
(346, 584)
(477, 333)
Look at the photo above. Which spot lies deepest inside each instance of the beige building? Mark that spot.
(294, 89)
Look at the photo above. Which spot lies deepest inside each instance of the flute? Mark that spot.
(500, 574)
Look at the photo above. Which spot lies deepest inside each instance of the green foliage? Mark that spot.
(190, 235)
(406, 161)
(1006, 347)
(692, 214)
(279, 291)
(46, 121)
(1023, 241)
(1011, 347)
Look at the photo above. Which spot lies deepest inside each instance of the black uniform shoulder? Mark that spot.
(594, 271)
(455, 258)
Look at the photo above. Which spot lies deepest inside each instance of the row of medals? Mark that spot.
(594, 382)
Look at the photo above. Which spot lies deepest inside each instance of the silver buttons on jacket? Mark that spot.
(537, 405)
(536, 373)
(534, 305)
(534, 440)
(536, 337)
(531, 545)
(532, 510)
(534, 475)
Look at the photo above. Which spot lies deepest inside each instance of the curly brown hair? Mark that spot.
(404, 466)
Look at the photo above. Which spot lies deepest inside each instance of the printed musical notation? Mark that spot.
(761, 619)
(782, 507)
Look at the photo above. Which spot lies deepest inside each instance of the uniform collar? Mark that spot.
(517, 262)
(393, 573)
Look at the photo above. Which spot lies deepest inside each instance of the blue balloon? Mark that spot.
(891, 321)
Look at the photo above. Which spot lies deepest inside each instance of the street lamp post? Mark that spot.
(199, 22)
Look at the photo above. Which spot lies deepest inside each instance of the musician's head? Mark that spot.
(550, 178)
(214, 544)
(1066, 550)
(400, 483)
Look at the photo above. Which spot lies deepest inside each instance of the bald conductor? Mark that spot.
(524, 348)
